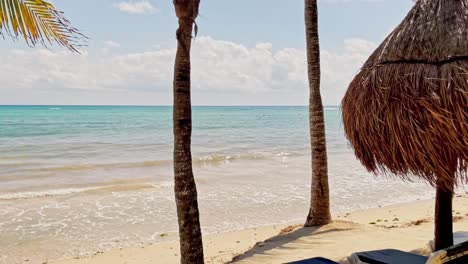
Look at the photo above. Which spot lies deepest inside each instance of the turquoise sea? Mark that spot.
(77, 179)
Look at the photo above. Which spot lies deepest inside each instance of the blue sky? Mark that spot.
(249, 52)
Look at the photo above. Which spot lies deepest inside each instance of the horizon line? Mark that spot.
(129, 105)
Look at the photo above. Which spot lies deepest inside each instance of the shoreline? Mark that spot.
(405, 226)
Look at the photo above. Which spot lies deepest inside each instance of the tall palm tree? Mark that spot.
(38, 22)
(191, 245)
(319, 213)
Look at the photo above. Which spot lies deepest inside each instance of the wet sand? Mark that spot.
(406, 227)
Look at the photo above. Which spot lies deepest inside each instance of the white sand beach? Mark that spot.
(407, 227)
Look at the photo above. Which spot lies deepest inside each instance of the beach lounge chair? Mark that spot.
(458, 238)
(314, 261)
(457, 254)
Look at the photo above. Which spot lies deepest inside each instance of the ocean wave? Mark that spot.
(120, 186)
(203, 160)
(331, 107)
(21, 157)
(217, 158)
(38, 194)
(79, 167)
(240, 157)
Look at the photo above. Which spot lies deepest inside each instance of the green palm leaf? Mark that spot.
(38, 22)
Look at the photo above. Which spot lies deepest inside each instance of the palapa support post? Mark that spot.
(443, 218)
(443, 232)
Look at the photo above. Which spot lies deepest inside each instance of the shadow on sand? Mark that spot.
(302, 237)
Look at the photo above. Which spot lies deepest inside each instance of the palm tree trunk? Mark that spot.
(443, 232)
(191, 246)
(319, 213)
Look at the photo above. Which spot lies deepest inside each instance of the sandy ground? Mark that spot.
(407, 227)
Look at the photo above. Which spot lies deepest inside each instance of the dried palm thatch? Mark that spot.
(406, 112)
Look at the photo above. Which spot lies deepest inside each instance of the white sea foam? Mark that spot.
(330, 107)
(111, 187)
(38, 194)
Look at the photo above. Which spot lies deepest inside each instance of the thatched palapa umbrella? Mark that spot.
(406, 112)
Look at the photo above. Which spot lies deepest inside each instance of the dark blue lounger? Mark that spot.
(457, 254)
(390, 256)
(314, 261)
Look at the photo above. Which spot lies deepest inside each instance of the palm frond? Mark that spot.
(38, 22)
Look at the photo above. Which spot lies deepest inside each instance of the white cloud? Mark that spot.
(342, 1)
(219, 67)
(136, 7)
(109, 45)
(112, 44)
